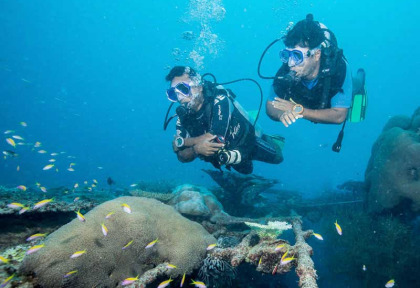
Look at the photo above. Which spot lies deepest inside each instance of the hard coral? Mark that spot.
(105, 264)
(393, 172)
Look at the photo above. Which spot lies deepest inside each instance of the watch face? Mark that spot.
(298, 109)
(179, 142)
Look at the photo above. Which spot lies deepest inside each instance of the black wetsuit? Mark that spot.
(220, 117)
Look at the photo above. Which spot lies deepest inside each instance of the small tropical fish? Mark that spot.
(76, 185)
(23, 210)
(129, 281)
(38, 184)
(52, 160)
(182, 281)
(26, 80)
(127, 245)
(133, 185)
(37, 144)
(80, 216)
(278, 247)
(70, 273)
(364, 268)
(339, 231)
(5, 282)
(95, 181)
(42, 151)
(151, 244)
(22, 187)
(72, 164)
(198, 284)
(89, 189)
(100, 168)
(93, 185)
(8, 131)
(170, 266)
(275, 269)
(390, 283)
(76, 199)
(48, 167)
(77, 254)
(165, 283)
(21, 143)
(17, 137)
(211, 246)
(4, 260)
(54, 154)
(85, 182)
(126, 208)
(18, 168)
(318, 236)
(104, 229)
(11, 142)
(70, 169)
(109, 215)
(35, 236)
(15, 205)
(23, 124)
(43, 189)
(260, 261)
(285, 260)
(35, 248)
(42, 203)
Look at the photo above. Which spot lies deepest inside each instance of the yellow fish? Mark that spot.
(42, 151)
(198, 284)
(7, 281)
(109, 215)
(48, 167)
(76, 185)
(22, 187)
(339, 231)
(4, 260)
(15, 205)
(78, 254)
(35, 248)
(104, 229)
(165, 283)
(278, 247)
(129, 281)
(170, 266)
(151, 244)
(126, 208)
(390, 283)
(259, 262)
(11, 142)
(43, 189)
(70, 169)
(42, 203)
(95, 181)
(127, 245)
(70, 273)
(182, 281)
(35, 236)
(23, 124)
(318, 236)
(23, 210)
(211, 246)
(80, 216)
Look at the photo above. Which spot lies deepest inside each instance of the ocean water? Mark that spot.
(88, 79)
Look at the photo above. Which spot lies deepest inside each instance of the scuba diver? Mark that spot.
(315, 81)
(213, 127)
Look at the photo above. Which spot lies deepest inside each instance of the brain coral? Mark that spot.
(181, 242)
(393, 172)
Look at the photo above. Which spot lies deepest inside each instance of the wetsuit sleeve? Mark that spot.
(221, 115)
(343, 98)
(180, 130)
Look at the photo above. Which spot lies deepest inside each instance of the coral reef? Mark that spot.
(393, 173)
(216, 272)
(181, 242)
(271, 230)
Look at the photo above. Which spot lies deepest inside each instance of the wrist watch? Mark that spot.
(298, 109)
(179, 142)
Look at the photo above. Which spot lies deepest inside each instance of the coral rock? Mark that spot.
(105, 264)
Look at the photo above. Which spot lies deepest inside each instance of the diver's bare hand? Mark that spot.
(206, 147)
(282, 104)
(288, 117)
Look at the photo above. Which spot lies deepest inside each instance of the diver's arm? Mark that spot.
(272, 112)
(326, 116)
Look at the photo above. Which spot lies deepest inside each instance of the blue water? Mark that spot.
(88, 78)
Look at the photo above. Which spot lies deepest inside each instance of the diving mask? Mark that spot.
(295, 57)
(178, 92)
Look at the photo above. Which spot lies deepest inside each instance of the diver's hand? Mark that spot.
(282, 104)
(288, 117)
(205, 145)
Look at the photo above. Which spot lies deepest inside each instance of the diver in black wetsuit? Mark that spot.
(212, 128)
